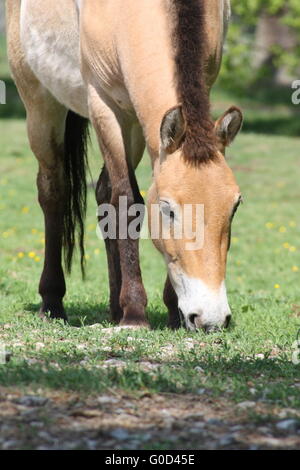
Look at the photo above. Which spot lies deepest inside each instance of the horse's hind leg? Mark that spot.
(46, 125)
(46, 128)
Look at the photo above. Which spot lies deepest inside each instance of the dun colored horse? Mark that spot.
(141, 72)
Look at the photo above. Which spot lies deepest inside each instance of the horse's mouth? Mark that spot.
(192, 323)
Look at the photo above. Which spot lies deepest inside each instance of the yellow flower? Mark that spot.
(5, 234)
(37, 259)
(277, 286)
(293, 249)
(31, 254)
(234, 239)
(295, 269)
(87, 257)
(21, 255)
(292, 224)
(286, 245)
(282, 229)
(91, 227)
(97, 251)
(42, 241)
(33, 231)
(25, 210)
(143, 193)
(269, 225)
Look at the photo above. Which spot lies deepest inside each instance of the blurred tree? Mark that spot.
(2, 16)
(263, 43)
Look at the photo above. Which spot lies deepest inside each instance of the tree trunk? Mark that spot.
(2, 16)
(271, 33)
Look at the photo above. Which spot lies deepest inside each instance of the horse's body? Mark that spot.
(140, 70)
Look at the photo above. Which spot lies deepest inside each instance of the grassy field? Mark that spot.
(252, 361)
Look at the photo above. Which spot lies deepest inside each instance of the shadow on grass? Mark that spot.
(271, 378)
(275, 125)
(267, 110)
(79, 314)
(86, 314)
(279, 95)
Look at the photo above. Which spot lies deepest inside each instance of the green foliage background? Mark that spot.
(238, 73)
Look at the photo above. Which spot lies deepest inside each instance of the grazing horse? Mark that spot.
(141, 72)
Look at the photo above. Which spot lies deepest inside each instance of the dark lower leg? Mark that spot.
(103, 195)
(171, 302)
(52, 286)
(133, 297)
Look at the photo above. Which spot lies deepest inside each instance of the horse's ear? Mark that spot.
(228, 126)
(172, 130)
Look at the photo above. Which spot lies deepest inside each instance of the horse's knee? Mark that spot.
(51, 189)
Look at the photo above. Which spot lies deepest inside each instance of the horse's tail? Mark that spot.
(75, 154)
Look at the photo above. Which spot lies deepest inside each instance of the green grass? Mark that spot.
(252, 360)
(264, 253)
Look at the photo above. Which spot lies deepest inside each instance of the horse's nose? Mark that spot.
(195, 320)
(214, 328)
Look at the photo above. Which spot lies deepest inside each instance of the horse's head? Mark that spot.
(196, 205)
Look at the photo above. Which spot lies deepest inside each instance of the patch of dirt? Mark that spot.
(61, 420)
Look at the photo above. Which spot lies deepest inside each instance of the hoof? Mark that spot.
(134, 324)
(117, 329)
(134, 316)
(50, 312)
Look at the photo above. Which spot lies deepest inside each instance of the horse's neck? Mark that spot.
(148, 66)
(148, 57)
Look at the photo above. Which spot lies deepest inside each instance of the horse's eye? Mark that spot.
(172, 214)
(166, 210)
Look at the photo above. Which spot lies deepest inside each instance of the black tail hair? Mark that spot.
(75, 160)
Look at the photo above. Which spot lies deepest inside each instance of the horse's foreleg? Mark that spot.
(46, 135)
(103, 196)
(171, 302)
(108, 126)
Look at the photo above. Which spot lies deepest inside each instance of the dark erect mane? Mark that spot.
(190, 38)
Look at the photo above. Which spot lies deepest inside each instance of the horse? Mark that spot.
(141, 72)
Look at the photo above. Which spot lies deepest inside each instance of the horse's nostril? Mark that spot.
(192, 318)
(227, 321)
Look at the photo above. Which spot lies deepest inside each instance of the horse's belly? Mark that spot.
(50, 40)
